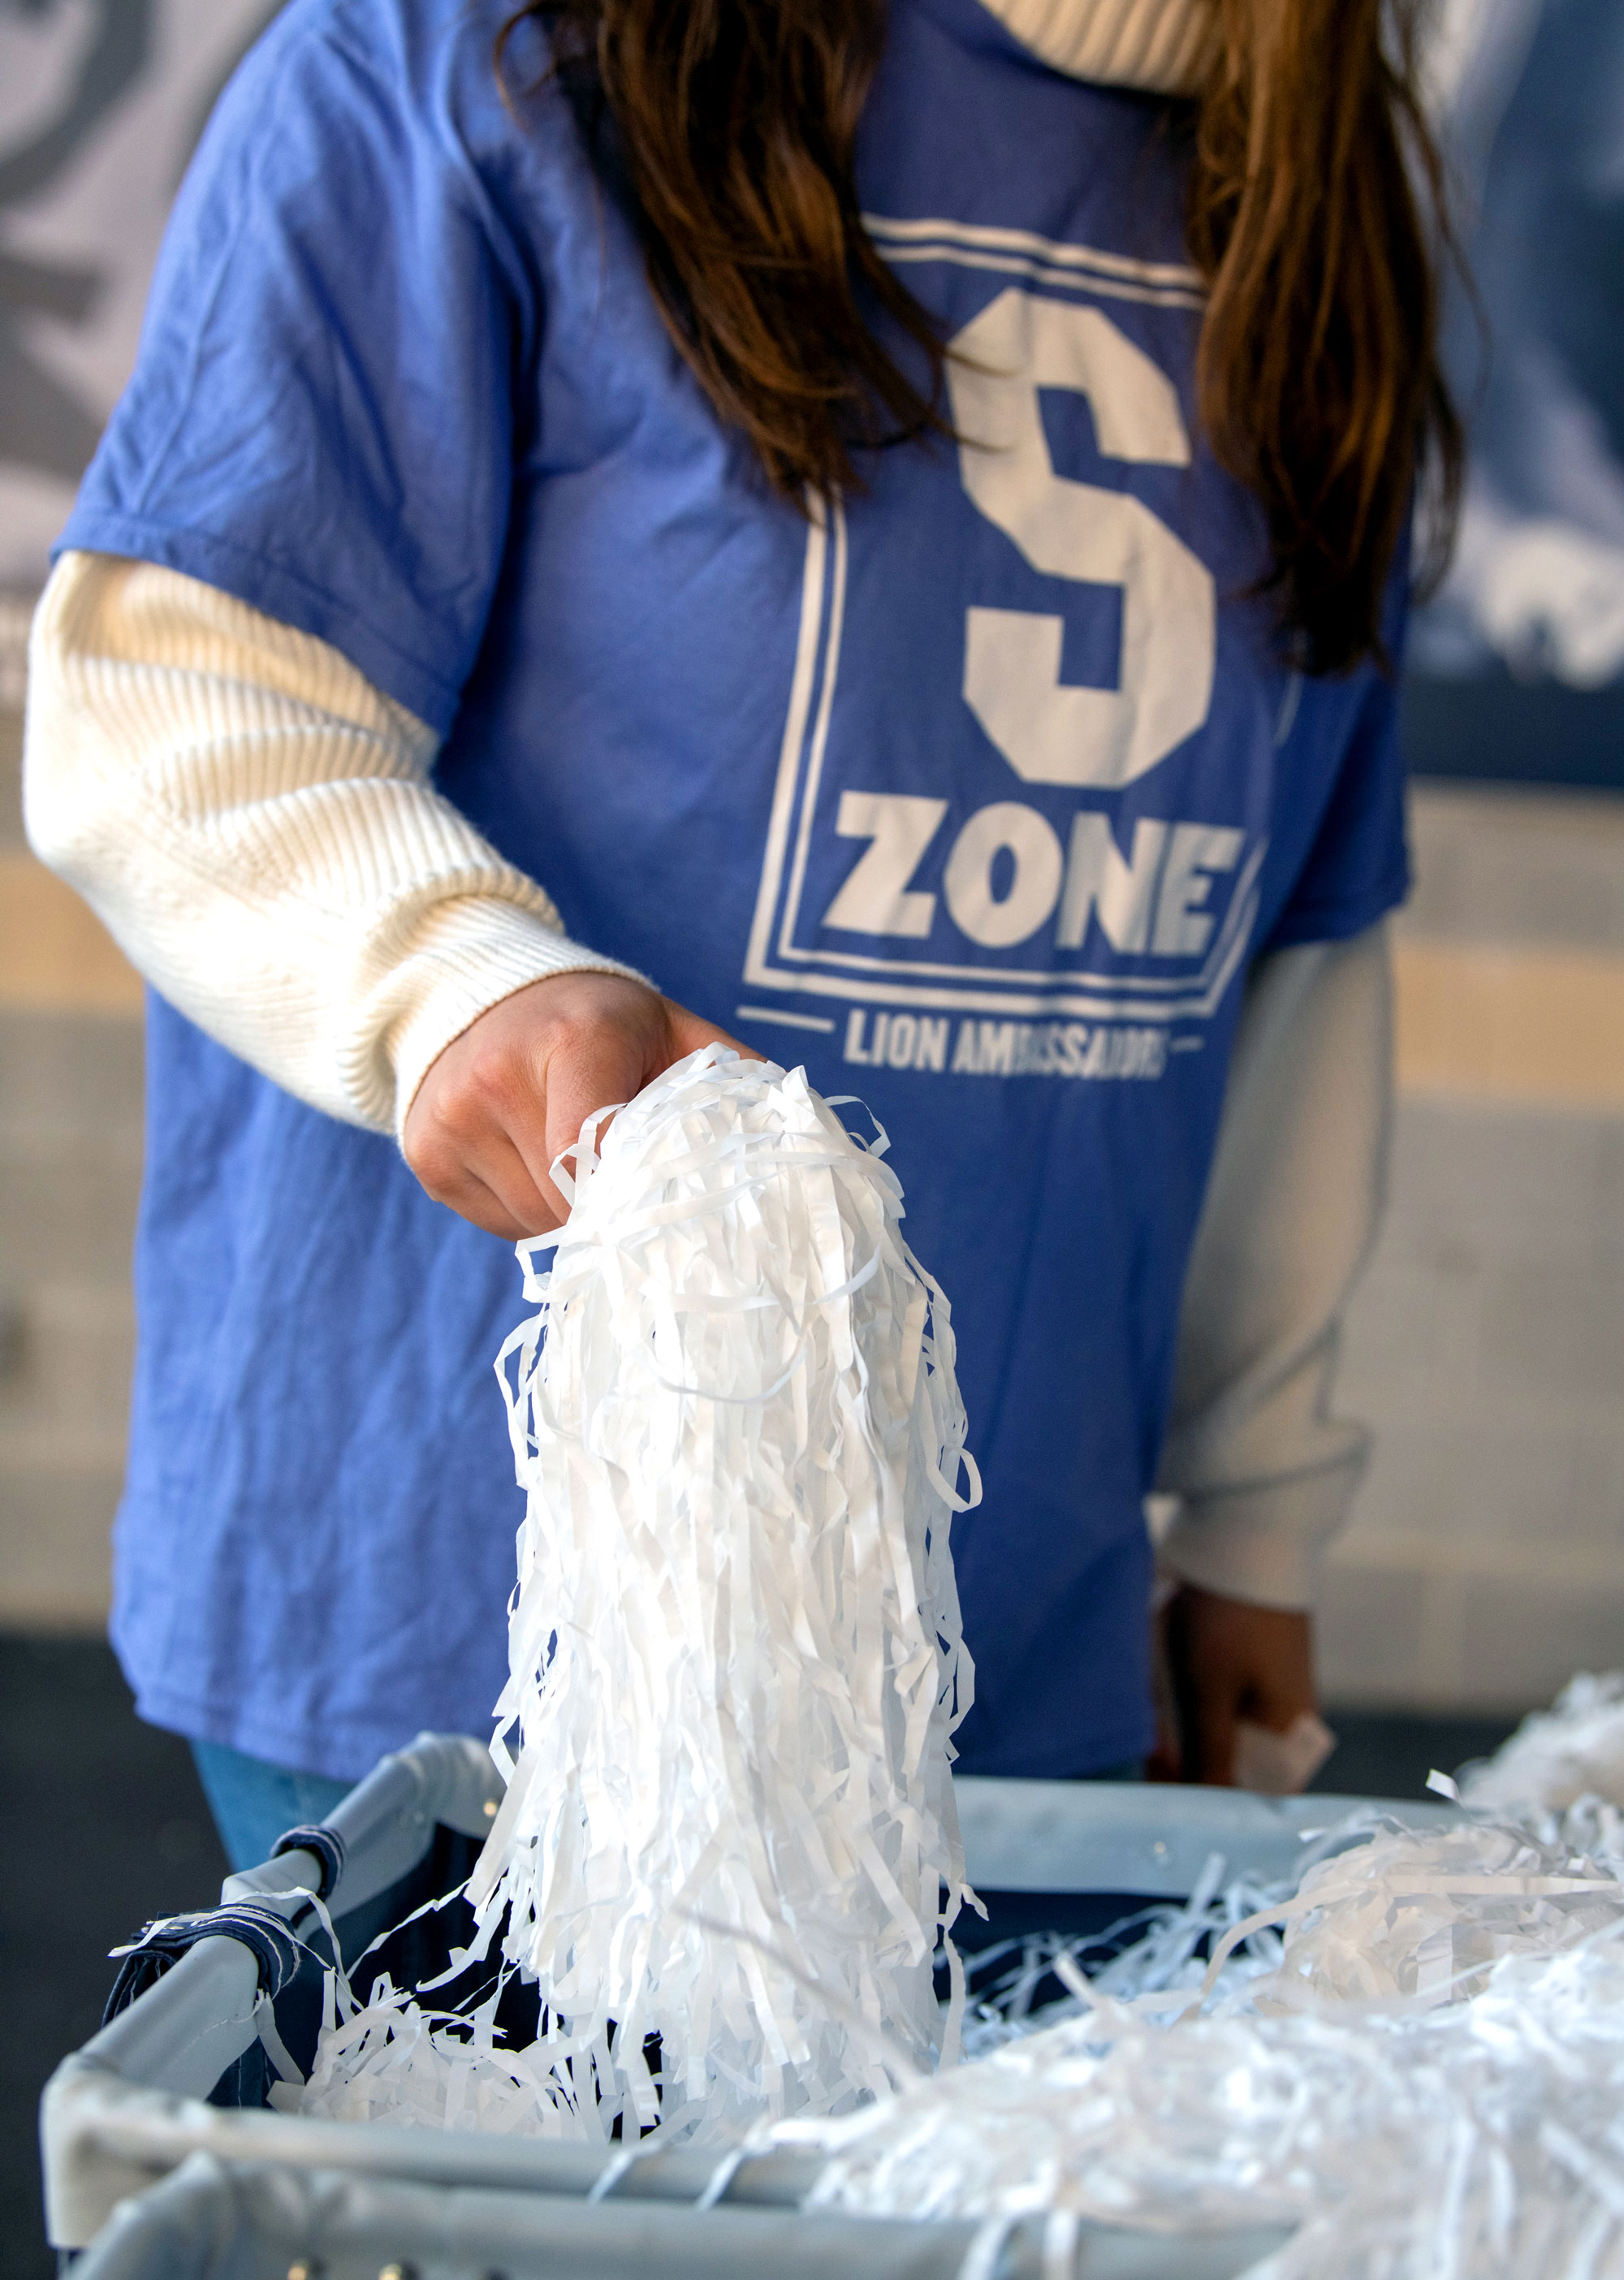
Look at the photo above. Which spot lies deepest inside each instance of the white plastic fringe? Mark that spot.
(1003, 1981)
(1428, 2082)
(391, 2059)
(735, 1649)
(1575, 1748)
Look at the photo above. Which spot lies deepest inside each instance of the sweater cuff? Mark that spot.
(1264, 1545)
(471, 953)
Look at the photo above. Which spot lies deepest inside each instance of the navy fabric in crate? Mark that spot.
(167, 1940)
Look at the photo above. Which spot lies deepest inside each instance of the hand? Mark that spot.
(1228, 1660)
(507, 1096)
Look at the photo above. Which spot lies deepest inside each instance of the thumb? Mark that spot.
(607, 1064)
(600, 1067)
(688, 1032)
(1217, 1710)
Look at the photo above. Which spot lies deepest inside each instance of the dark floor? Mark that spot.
(108, 1827)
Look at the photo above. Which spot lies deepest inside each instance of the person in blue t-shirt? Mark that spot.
(873, 528)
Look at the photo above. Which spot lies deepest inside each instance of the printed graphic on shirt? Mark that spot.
(1011, 886)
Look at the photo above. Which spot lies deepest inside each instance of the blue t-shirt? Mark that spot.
(977, 793)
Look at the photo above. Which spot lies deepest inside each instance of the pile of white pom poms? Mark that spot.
(1414, 2057)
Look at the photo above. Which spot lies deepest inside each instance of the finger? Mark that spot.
(688, 1032)
(1283, 1681)
(1216, 1716)
(592, 1070)
(505, 1176)
(1176, 1627)
(606, 1068)
(1165, 1761)
(1205, 1689)
(469, 1197)
(1278, 1703)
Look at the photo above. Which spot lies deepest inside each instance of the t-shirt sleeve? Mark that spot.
(1357, 867)
(320, 421)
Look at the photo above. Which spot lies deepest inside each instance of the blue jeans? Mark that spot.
(254, 1802)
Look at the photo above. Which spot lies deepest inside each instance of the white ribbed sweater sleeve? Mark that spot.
(255, 825)
(1263, 1470)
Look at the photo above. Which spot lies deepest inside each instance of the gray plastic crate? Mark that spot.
(161, 2161)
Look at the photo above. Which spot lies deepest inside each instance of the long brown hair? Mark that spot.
(1317, 374)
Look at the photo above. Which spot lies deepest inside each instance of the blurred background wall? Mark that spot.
(1487, 1346)
(101, 102)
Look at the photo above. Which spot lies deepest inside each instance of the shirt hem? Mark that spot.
(1340, 920)
(276, 592)
(340, 1751)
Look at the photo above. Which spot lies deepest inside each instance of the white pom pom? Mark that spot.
(736, 1647)
(1427, 2082)
(1575, 1748)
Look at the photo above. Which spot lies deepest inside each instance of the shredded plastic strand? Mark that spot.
(1415, 2057)
(735, 1649)
(391, 2059)
(1573, 1750)
(1161, 1952)
(1473, 2139)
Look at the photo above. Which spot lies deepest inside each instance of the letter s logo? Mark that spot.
(1049, 733)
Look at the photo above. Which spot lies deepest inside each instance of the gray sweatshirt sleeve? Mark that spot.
(1263, 1469)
